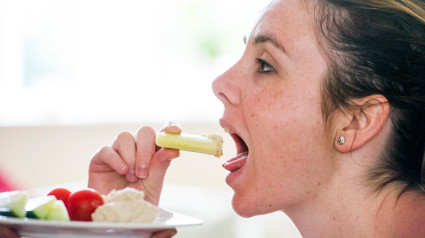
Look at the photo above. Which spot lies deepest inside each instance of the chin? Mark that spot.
(248, 205)
(243, 207)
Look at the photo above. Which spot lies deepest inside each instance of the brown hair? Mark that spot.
(378, 47)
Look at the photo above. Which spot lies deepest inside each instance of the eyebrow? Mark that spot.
(258, 39)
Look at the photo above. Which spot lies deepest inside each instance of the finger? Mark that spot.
(172, 127)
(107, 159)
(145, 150)
(8, 233)
(160, 163)
(158, 167)
(164, 234)
(125, 146)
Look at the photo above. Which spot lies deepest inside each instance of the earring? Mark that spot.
(341, 140)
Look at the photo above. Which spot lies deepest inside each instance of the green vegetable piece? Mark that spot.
(4, 211)
(211, 144)
(58, 212)
(40, 207)
(13, 203)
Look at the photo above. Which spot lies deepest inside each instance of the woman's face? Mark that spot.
(272, 100)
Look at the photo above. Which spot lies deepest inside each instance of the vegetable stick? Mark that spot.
(211, 144)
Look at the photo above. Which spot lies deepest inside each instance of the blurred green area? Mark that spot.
(56, 54)
(210, 29)
(206, 31)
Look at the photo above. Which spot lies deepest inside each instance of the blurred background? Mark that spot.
(75, 73)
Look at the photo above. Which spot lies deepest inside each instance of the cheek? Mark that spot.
(263, 107)
(284, 136)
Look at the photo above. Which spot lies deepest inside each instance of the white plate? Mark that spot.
(44, 229)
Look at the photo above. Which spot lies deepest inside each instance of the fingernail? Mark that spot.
(143, 172)
(132, 177)
(172, 234)
(123, 169)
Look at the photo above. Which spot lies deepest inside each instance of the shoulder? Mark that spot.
(409, 215)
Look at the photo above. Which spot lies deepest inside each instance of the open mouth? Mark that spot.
(242, 154)
(241, 147)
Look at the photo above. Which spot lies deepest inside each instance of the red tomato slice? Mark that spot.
(82, 203)
(61, 194)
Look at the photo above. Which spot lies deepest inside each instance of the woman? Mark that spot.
(327, 110)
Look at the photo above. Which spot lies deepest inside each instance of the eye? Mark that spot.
(264, 67)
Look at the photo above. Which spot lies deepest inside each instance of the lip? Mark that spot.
(240, 143)
(235, 164)
(235, 167)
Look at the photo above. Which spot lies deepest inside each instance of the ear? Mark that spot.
(362, 123)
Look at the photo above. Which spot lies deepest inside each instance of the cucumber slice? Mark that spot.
(4, 211)
(40, 207)
(58, 212)
(13, 203)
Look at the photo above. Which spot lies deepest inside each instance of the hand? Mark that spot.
(133, 161)
(8, 233)
(164, 234)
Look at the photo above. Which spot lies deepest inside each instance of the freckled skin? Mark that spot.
(278, 115)
(295, 164)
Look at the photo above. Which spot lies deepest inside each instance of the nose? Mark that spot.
(225, 87)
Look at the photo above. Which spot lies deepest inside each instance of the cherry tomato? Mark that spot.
(82, 203)
(61, 194)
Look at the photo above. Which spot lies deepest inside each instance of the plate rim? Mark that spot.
(191, 221)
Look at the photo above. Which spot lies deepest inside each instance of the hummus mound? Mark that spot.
(126, 205)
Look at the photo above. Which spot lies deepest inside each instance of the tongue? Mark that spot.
(237, 162)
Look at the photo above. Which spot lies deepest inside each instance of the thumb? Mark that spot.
(165, 233)
(158, 167)
(7, 233)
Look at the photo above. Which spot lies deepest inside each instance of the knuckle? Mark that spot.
(145, 154)
(145, 130)
(124, 136)
(103, 151)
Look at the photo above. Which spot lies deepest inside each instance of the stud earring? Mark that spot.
(341, 140)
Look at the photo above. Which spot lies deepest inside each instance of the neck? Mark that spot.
(346, 206)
